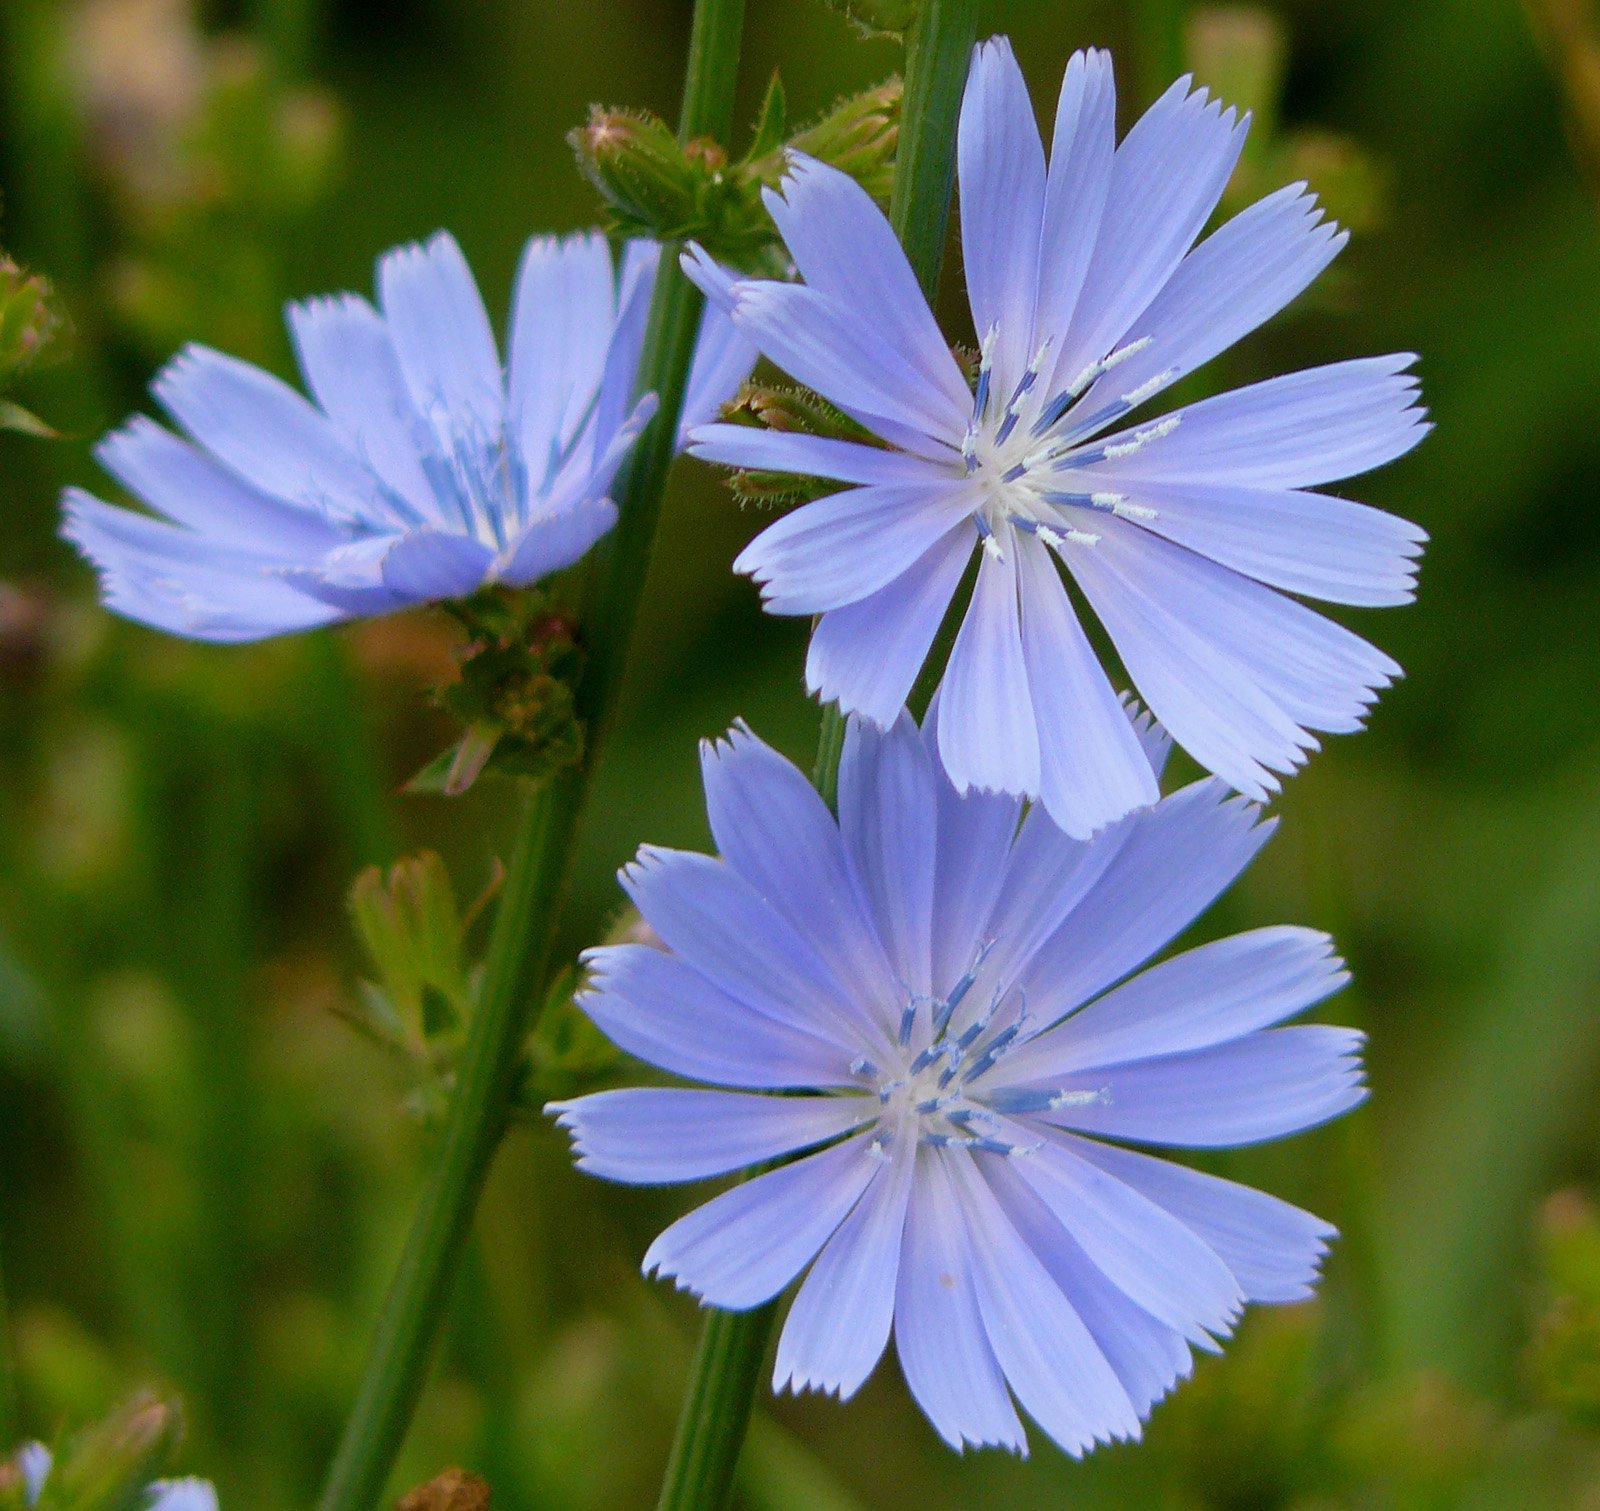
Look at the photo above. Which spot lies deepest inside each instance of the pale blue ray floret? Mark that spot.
(421, 471)
(1183, 534)
(932, 1007)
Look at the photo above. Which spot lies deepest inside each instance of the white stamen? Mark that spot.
(1122, 353)
(1102, 1097)
(1142, 438)
(1150, 386)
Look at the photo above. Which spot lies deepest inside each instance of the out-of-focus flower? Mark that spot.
(1183, 534)
(931, 990)
(104, 1466)
(422, 471)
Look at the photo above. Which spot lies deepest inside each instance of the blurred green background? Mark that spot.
(205, 1171)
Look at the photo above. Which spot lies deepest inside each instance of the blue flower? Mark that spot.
(35, 1461)
(1088, 302)
(422, 472)
(925, 995)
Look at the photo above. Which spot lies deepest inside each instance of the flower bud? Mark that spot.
(29, 319)
(859, 136)
(646, 178)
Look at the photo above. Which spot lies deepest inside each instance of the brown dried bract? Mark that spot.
(454, 1490)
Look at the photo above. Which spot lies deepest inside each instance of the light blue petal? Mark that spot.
(1092, 768)
(839, 1322)
(1148, 1254)
(708, 913)
(650, 1135)
(831, 347)
(888, 817)
(808, 455)
(1310, 543)
(563, 308)
(1295, 431)
(777, 833)
(553, 542)
(1171, 863)
(441, 333)
(1236, 279)
(34, 1460)
(1046, 876)
(350, 578)
(1205, 996)
(586, 477)
(620, 379)
(722, 361)
(174, 580)
(656, 1007)
(1314, 671)
(1211, 705)
(1263, 1086)
(1050, 1359)
(1166, 179)
(837, 550)
(349, 365)
(1002, 177)
(268, 434)
(938, 1331)
(1081, 151)
(1153, 739)
(1148, 1357)
(987, 734)
(709, 276)
(1274, 1250)
(182, 1495)
(192, 488)
(424, 566)
(743, 1247)
(845, 249)
(975, 835)
(866, 656)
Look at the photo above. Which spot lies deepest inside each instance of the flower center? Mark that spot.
(1029, 449)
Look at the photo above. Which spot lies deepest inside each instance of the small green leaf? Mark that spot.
(771, 126)
(24, 422)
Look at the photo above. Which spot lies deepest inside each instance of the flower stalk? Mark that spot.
(733, 1345)
(521, 940)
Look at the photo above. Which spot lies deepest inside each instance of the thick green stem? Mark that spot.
(520, 945)
(725, 1376)
(733, 1345)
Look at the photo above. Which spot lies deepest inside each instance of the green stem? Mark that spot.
(716, 1412)
(733, 1345)
(520, 945)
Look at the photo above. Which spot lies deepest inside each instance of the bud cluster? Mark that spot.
(654, 185)
(30, 326)
(514, 692)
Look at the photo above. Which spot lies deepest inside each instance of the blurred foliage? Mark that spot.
(207, 1173)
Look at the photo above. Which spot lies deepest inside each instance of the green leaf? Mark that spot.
(14, 417)
(771, 126)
